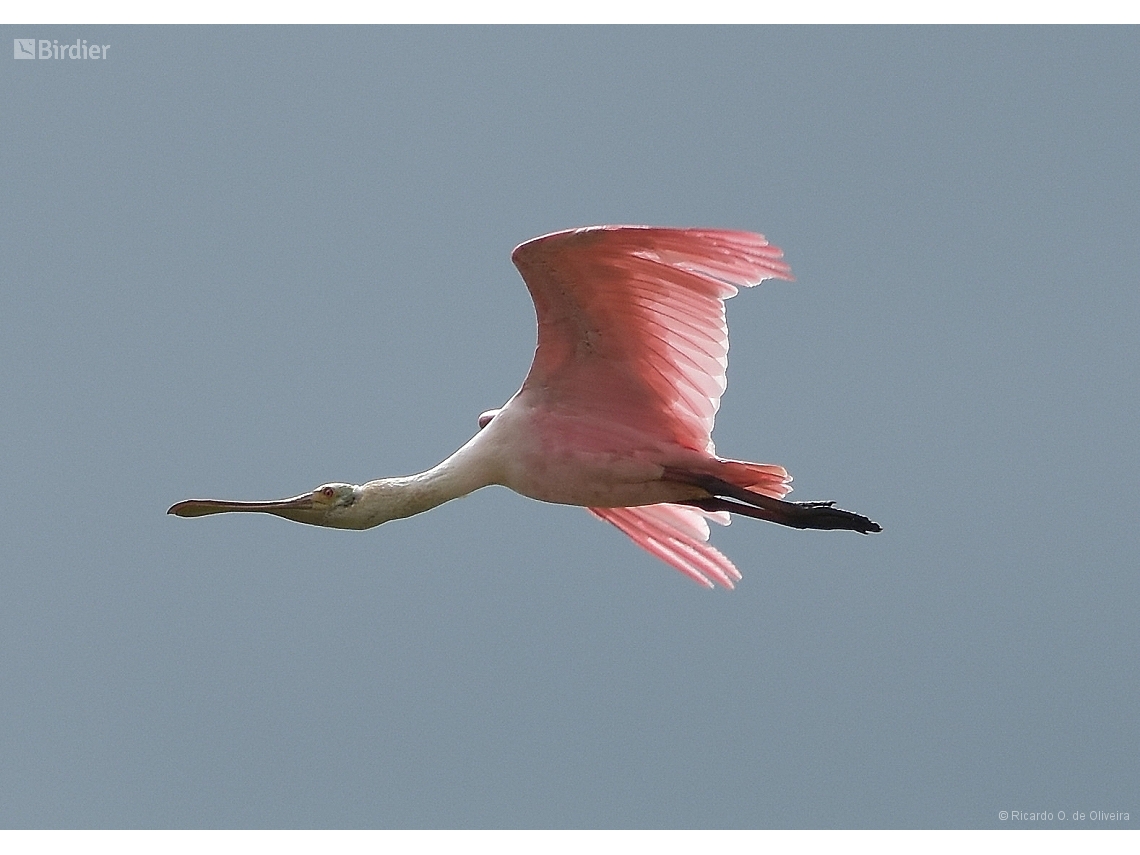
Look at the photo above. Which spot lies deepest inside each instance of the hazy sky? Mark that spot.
(242, 262)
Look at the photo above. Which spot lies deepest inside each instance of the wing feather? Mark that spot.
(631, 322)
(678, 535)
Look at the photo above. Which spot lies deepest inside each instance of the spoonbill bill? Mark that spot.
(617, 411)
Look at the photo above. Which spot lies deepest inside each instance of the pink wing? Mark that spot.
(678, 535)
(631, 329)
(631, 324)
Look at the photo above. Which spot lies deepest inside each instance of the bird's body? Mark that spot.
(617, 411)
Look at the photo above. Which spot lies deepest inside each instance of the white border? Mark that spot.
(1011, 842)
(575, 12)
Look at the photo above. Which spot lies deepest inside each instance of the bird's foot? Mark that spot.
(824, 515)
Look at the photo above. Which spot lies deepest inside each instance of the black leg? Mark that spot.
(817, 515)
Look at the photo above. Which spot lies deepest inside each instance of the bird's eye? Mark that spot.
(328, 492)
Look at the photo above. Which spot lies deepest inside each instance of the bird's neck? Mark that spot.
(395, 498)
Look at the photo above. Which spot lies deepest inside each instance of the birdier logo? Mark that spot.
(52, 49)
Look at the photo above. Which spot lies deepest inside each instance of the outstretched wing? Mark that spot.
(631, 324)
(678, 535)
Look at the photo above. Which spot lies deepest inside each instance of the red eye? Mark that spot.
(327, 492)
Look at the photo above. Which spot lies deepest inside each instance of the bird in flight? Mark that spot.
(616, 414)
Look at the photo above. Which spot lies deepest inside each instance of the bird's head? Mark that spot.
(328, 505)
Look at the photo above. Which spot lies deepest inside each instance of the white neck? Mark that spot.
(395, 498)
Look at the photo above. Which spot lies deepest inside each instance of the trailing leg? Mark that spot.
(816, 515)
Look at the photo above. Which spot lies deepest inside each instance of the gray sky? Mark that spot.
(241, 262)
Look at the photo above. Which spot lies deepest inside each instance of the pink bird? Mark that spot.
(616, 414)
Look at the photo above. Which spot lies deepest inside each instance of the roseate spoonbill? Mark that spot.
(617, 411)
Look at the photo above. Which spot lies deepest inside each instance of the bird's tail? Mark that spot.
(767, 479)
